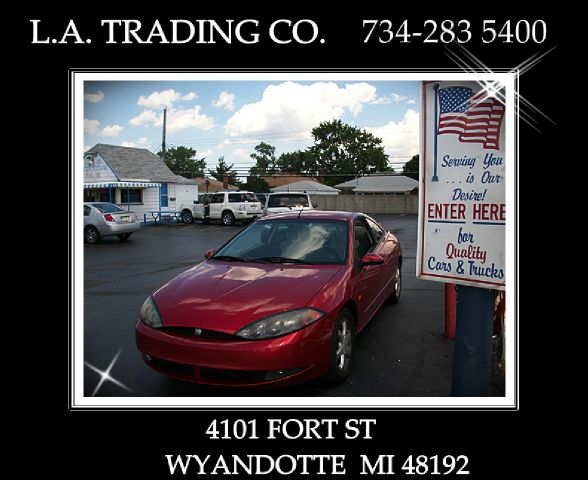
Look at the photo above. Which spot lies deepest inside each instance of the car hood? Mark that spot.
(224, 296)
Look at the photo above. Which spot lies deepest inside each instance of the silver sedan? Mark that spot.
(106, 219)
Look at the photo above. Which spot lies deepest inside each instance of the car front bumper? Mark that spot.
(281, 361)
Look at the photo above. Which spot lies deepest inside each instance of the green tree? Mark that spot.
(256, 184)
(183, 161)
(346, 151)
(265, 160)
(411, 168)
(221, 168)
(301, 162)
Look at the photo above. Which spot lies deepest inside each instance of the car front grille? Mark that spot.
(199, 333)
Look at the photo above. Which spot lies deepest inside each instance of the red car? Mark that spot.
(279, 303)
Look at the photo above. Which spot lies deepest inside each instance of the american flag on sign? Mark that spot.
(475, 117)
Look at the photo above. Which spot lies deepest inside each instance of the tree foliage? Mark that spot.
(411, 168)
(346, 151)
(183, 161)
(221, 168)
(265, 160)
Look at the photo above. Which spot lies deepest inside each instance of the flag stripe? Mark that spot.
(476, 118)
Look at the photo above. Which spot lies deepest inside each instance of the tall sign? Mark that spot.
(462, 212)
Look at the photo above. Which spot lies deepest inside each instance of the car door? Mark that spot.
(368, 284)
(385, 247)
(216, 205)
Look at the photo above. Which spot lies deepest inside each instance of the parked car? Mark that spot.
(286, 201)
(279, 303)
(106, 219)
(228, 207)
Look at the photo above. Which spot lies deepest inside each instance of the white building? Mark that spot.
(135, 179)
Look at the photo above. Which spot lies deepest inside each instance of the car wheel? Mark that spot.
(123, 237)
(91, 235)
(342, 347)
(395, 297)
(187, 217)
(228, 219)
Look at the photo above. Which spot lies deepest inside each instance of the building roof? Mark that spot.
(214, 185)
(283, 179)
(380, 184)
(136, 164)
(307, 186)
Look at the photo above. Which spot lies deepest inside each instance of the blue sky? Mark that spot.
(228, 118)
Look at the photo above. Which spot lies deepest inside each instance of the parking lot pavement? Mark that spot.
(402, 352)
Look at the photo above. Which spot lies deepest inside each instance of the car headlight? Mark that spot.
(149, 314)
(280, 324)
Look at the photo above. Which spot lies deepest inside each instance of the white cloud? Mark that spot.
(292, 107)
(97, 97)
(142, 141)
(190, 96)
(165, 98)
(239, 155)
(412, 101)
(392, 98)
(204, 153)
(111, 131)
(177, 119)
(225, 100)
(187, 118)
(92, 127)
(158, 100)
(146, 117)
(400, 139)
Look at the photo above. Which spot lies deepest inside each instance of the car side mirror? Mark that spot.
(210, 253)
(371, 259)
(195, 202)
(315, 205)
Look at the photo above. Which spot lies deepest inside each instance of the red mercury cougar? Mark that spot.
(279, 303)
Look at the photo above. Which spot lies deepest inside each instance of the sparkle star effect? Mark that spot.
(524, 108)
(105, 375)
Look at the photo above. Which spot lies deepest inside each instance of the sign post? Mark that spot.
(462, 215)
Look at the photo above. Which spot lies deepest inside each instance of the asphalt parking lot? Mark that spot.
(402, 352)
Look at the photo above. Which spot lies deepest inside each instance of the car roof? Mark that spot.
(288, 193)
(312, 214)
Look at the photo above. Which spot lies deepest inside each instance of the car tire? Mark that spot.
(228, 218)
(91, 235)
(342, 348)
(187, 217)
(395, 297)
(123, 237)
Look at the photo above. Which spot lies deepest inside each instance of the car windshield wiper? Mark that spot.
(280, 260)
(231, 258)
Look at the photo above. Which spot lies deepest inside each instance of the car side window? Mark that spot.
(86, 211)
(363, 242)
(236, 197)
(218, 198)
(376, 230)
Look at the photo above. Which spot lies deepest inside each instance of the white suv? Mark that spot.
(286, 201)
(229, 207)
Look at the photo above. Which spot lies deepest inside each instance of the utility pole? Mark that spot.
(163, 140)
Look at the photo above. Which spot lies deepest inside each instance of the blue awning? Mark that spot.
(122, 185)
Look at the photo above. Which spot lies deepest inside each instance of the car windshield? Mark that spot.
(288, 200)
(296, 241)
(107, 208)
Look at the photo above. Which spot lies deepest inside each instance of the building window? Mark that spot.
(163, 194)
(131, 195)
